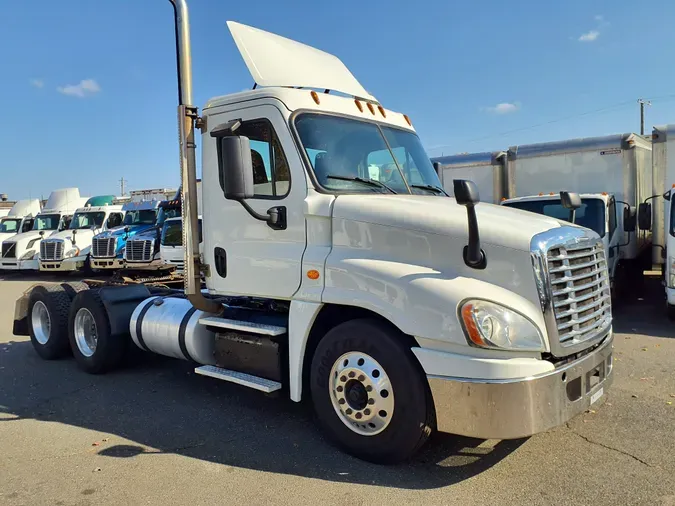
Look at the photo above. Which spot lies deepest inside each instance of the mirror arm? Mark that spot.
(275, 218)
(573, 214)
(253, 212)
(473, 254)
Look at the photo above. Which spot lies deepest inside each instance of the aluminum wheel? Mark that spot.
(41, 321)
(361, 393)
(86, 335)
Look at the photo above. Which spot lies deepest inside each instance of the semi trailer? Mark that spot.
(70, 249)
(395, 309)
(21, 251)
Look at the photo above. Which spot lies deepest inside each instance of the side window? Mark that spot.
(27, 225)
(612, 217)
(271, 176)
(114, 220)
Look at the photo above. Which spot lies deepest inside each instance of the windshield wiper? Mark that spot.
(370, 182)
(429, 187)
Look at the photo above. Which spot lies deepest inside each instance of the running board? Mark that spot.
(241, 378)
(243, 326)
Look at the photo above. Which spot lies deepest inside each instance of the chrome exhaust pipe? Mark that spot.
(187, 117)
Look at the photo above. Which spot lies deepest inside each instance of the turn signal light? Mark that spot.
(313, 274)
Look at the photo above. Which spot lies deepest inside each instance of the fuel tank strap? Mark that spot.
(181, 334)
(139, 325)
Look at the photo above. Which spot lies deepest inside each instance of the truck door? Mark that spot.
(245, 255)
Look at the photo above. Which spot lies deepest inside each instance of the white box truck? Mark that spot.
(21, 252)
(19, 219)
(486, 169)
(612, 174)
(397, 310)
(663, 209)
(70, 249)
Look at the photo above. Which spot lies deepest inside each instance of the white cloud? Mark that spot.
(84, 88)
(503, 108)
(600, 18)
(38, 83)
(589, 36)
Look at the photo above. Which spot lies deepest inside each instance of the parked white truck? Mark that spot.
(397, 310)
(19, 219)
(70, 249)
(21, 252)
(171, 250)
(612, 175)
(663, 209)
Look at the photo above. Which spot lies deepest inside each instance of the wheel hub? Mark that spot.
(361, 393)
(41, 322)
(86, 334)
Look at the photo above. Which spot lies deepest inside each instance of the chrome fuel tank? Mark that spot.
(170, 326)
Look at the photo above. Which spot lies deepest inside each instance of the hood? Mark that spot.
(119, 231)
(82, 238)
(6, 235)
(27, 237)
(498, 226)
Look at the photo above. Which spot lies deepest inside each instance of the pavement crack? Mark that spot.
(589, 440)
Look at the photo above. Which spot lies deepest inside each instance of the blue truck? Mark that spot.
(108, 248)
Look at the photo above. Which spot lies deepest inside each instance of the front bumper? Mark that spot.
(66, 265)
(516, 408)
(107, 263)
(19, 265)
(154, 265)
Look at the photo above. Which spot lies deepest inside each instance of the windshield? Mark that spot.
(47, 222)
(166, 213)
(591, 214)
(87, 220)
(672, 218)
(172, 233)
(10, 225)
(351, 155)
(143, 217)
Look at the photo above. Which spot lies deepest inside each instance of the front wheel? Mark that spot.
(370, 393)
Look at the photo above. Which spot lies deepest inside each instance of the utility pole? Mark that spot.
(642, 114)
(122, 183)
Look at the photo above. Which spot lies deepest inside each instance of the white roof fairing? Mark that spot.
(274, 60)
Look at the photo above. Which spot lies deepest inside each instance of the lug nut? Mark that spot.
(369, 388)
(349, 411)
(341, 401)
(362, 377)
(366, 411)
(352, 374)
(371, 401)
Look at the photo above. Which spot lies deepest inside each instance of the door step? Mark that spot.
(241, 378)
(243, 326)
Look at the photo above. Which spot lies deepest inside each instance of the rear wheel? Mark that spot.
(369, 392)
(95, 349)
(48, 321)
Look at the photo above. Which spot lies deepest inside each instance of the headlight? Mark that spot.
(490, 325)
(671, 280)
(28, 255)
(72, 253)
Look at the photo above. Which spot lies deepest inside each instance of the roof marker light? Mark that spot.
(358, 104)
(381, 109)
(315, 96)
(371, 108)
(407, 119)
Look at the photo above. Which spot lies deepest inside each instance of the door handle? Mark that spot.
(220, 259)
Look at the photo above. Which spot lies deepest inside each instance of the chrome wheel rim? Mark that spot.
(361, 393)
(86, 334)
(41, 321)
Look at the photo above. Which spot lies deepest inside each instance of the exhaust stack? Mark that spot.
(187, 117)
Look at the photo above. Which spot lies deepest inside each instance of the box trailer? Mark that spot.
(485, 169)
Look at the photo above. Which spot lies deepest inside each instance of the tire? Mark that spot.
(94, 355)
(72, 288)
(391, 436)
(48, 322)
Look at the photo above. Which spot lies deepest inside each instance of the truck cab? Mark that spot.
(108, 247)
(19, 219)
(142, 250)
(337, 269)
(22, 251)
(598, 212)
(70, 249)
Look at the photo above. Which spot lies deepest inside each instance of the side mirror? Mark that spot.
(629, 219)
(668, 195)
(42, 233)
(570, 201)
(235, 166)
(437, 167)
(74, 234)
(645, 216)
(466, 194)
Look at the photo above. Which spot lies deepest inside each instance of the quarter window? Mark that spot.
(612, 217)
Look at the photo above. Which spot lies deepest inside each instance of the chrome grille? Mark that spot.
(139, 250)
(103, 247)
(580, 291)
(8, 249)
(51, 250)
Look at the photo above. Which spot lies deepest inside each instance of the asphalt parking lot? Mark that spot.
(156, 433)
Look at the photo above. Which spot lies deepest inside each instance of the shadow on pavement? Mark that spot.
(160, 406)
(644, 311)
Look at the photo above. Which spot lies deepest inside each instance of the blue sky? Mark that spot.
(90, 86)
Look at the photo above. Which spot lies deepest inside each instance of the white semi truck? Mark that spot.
(612, 175)
(19, 219)
(171, 250)
(397, 310)
(21, 251)
(70, 249)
